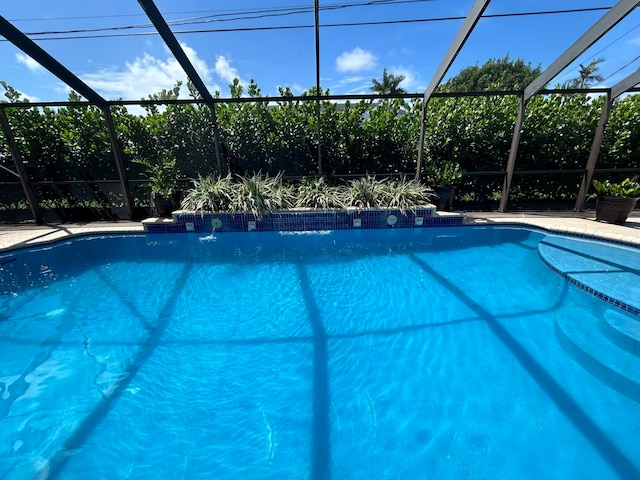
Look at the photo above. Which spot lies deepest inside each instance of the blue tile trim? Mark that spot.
(610, 300)
(296, 221)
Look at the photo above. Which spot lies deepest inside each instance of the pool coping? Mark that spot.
(582, 224)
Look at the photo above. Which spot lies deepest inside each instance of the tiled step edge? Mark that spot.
(542, 253)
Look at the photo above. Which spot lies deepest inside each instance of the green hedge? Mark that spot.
(366, 136)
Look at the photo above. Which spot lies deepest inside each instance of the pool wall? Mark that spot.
(307, 220)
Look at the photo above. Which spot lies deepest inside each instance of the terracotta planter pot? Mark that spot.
(614, 209)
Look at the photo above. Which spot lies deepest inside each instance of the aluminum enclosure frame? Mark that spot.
(614, 15)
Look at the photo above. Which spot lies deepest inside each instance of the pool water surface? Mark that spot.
(396, 354)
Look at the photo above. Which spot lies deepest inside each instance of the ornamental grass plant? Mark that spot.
(317, 194)
(260, 194)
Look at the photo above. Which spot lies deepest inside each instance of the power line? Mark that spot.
(292, 27)
(269, 13)
(595, 55)
(621, 68)
(240, 14)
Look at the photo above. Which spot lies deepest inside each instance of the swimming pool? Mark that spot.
(427, 353)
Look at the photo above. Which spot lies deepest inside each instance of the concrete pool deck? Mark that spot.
(577, 223)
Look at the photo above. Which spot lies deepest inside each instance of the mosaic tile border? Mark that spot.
(610, 300)
(301, 221)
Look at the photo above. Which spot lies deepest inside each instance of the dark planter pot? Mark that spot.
(163, 206)
(445, 197)
(614, 209)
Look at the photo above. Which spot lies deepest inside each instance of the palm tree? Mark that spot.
(588, 76)
(388, 85)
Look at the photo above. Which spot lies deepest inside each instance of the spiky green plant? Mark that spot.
(405, 194)
(209, 194)
(315, 192)
(260, 194)
(366, 192)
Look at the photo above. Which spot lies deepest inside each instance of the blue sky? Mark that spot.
(240, 39)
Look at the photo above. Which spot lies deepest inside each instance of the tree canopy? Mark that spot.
(495, 74)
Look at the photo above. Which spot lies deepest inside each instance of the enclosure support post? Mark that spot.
(126, 191)
(316, 8)
(22, 171)
(593, 153)
(216, 137)
(423, 122)
(513, 153)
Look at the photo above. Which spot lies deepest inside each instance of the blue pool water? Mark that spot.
(413, 354)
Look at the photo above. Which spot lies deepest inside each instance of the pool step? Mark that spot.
(605, 270)
(605, 347)
(622, 330)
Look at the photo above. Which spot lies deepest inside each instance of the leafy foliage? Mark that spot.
(162, 173)
(273, 136)
(495, 74)
(625, 188)
(445, 173)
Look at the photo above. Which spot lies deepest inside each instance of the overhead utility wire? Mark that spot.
(326, 25)
(621, 68)
(286, 11)
(236, 16)
(233, 12)
(595, 54)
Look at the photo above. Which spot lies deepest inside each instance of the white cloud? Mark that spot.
(356, 60)
(29, 62)
(224, 69)
(352, 85)
(411, 82)
(199, 64)
(146, 75)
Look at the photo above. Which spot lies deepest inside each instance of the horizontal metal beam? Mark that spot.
(307, 98)
(588, 38)
(29, 47)
(169, 38)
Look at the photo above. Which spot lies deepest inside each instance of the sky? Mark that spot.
(112, 47)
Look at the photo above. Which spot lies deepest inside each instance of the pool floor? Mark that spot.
(351, 356)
